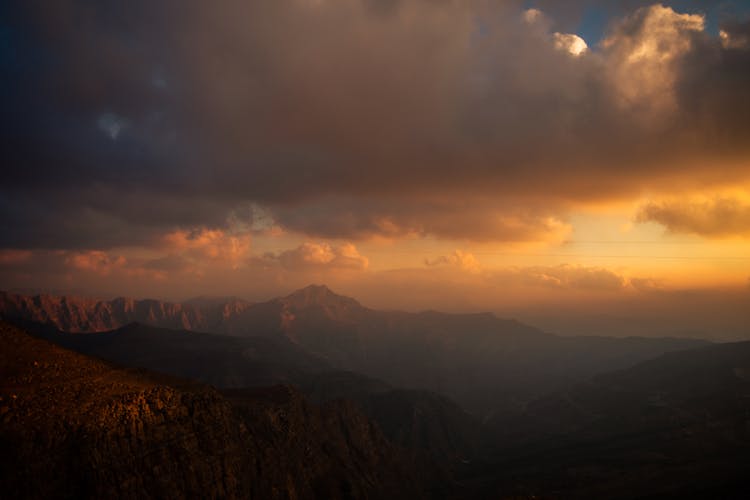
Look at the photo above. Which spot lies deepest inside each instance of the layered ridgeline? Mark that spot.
(483, 362)
(677, 426)
(418, 420)
(75, 427)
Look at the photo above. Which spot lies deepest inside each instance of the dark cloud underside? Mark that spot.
(124, 121)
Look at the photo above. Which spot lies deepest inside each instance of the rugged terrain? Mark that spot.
(484, 363)
(677, 426)
(445, 430)
(75, 427)
(674, 426)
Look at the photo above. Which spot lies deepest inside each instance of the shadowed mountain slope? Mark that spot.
(220, 360)
(241, 362)
(677, 426)
(74, 427)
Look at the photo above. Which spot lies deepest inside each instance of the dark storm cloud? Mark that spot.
(124, 120)
(480, 219)
(713, 89)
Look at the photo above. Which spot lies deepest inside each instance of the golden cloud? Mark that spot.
(721, 216)
(313, 255)
(466, 261)
(96, 261)
(212, 244)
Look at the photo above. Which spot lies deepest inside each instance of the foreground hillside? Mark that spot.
(74, 427)
(430, 422)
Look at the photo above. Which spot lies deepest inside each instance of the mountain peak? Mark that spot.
(319, 295)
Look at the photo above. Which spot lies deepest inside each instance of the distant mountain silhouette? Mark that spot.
(677, 426)
(220, 360)
(483, 362)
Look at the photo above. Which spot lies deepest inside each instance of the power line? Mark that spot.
(571, 255)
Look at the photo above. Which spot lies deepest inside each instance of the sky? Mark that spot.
(582, 165)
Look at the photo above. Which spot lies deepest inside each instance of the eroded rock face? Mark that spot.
(75, 427)
(78, 314)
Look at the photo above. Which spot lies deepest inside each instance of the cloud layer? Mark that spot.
(459, 120)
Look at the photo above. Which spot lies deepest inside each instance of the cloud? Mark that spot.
(532, 16)
(14, 256)
(123, 126)
(644, 53)
(735, 35)
(211, 244)
(646, 284)
(311, 255)
(95, 261)
(480, 220)
(74, 268)
(566, 276)
(570, 42)
(713, 218)
(459, 259)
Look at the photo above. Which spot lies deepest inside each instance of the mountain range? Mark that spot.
(483, 362)
(675, 427)
(359, 402)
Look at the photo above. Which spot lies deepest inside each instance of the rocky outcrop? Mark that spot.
(74, 427)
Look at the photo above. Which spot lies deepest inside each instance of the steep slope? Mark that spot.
(240, 362)
(73, 427)
(677, 426)
(417, 420)
(220, 360)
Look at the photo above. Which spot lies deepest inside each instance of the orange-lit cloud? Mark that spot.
(212, 244)
(713, 218)
(571, 277)
(312, 255)
(96, 261)
(646, 284)
(14, 256)
(460, 259)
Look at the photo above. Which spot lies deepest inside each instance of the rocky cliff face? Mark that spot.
(78, 314)
(74, 427)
